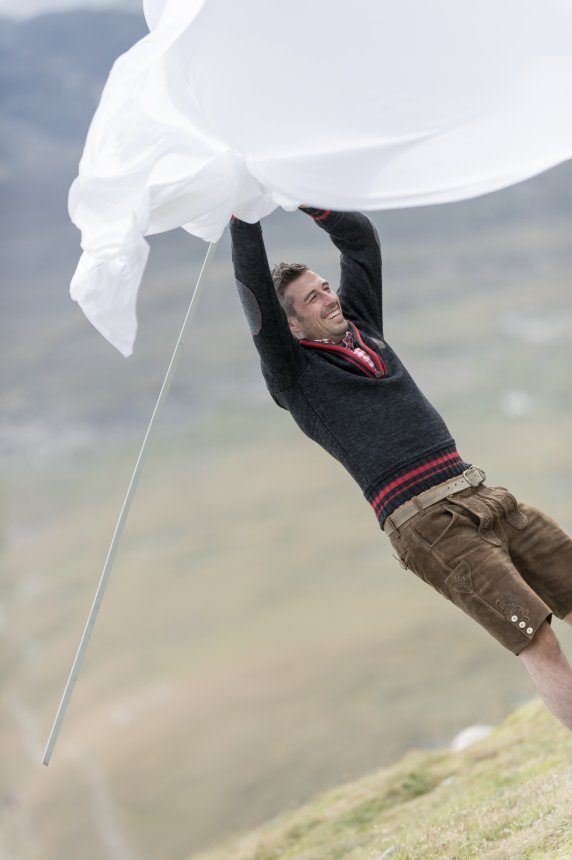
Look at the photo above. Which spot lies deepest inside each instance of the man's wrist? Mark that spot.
(316, 214)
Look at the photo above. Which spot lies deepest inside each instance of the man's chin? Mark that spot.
(335, 334)
(341, 329)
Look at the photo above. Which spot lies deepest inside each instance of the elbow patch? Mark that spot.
(250, 307)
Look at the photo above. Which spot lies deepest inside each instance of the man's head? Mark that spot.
(312, 307)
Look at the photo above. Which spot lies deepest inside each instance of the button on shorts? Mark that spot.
(505, 563)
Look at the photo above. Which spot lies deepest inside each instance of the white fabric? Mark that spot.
(244, 106)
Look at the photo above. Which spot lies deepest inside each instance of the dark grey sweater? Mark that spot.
(378, 424)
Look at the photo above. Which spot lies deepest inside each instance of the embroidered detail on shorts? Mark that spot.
(460, 579)
(514, 609)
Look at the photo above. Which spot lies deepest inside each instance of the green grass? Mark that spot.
(507, 796)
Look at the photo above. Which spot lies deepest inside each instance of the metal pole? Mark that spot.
(123, 516)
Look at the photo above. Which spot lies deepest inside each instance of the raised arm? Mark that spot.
(282, 359)
(355, 236)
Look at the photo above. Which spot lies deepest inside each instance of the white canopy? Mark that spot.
(240, 107)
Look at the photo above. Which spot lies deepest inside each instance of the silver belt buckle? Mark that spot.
(473, 476)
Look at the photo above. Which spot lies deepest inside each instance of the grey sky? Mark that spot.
(28, 8)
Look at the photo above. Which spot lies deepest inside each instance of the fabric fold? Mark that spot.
(243, 107)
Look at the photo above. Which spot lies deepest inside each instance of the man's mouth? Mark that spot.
(335, 314)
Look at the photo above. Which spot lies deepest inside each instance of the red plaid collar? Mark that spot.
(348, 340)
(349, 344)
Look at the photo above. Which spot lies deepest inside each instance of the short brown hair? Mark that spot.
(283, 274)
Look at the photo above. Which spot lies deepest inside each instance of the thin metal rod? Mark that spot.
(123, 516)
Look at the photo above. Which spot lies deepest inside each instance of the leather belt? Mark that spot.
(470, 478)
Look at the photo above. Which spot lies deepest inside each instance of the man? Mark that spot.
(325, 359)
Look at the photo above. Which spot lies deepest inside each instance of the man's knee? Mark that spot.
(544, 645)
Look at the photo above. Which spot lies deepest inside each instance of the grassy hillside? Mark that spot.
(507, 796)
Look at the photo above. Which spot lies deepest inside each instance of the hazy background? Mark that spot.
(257, 642)
(20, 9)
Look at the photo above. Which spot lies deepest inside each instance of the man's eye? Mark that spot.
(313, 299)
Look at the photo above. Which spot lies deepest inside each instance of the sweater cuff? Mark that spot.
(237, 224)
(316, 214)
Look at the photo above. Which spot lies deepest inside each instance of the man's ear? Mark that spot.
(295, 327)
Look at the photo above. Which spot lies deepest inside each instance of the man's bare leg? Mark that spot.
(550, 672)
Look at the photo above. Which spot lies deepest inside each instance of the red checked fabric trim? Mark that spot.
(350, 355)
(372, 354)
(361, 354)
(347, 353)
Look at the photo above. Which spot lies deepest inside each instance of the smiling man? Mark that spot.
(314, 310)
(325, 359)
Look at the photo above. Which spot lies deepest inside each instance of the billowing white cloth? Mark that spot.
(240, 107)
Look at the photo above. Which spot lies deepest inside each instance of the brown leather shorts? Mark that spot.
(505, 563)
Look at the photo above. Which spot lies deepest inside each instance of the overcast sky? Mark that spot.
(28, 8)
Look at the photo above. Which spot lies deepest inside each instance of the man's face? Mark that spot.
(316, 312)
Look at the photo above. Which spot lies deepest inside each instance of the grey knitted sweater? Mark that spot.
(378, 424)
